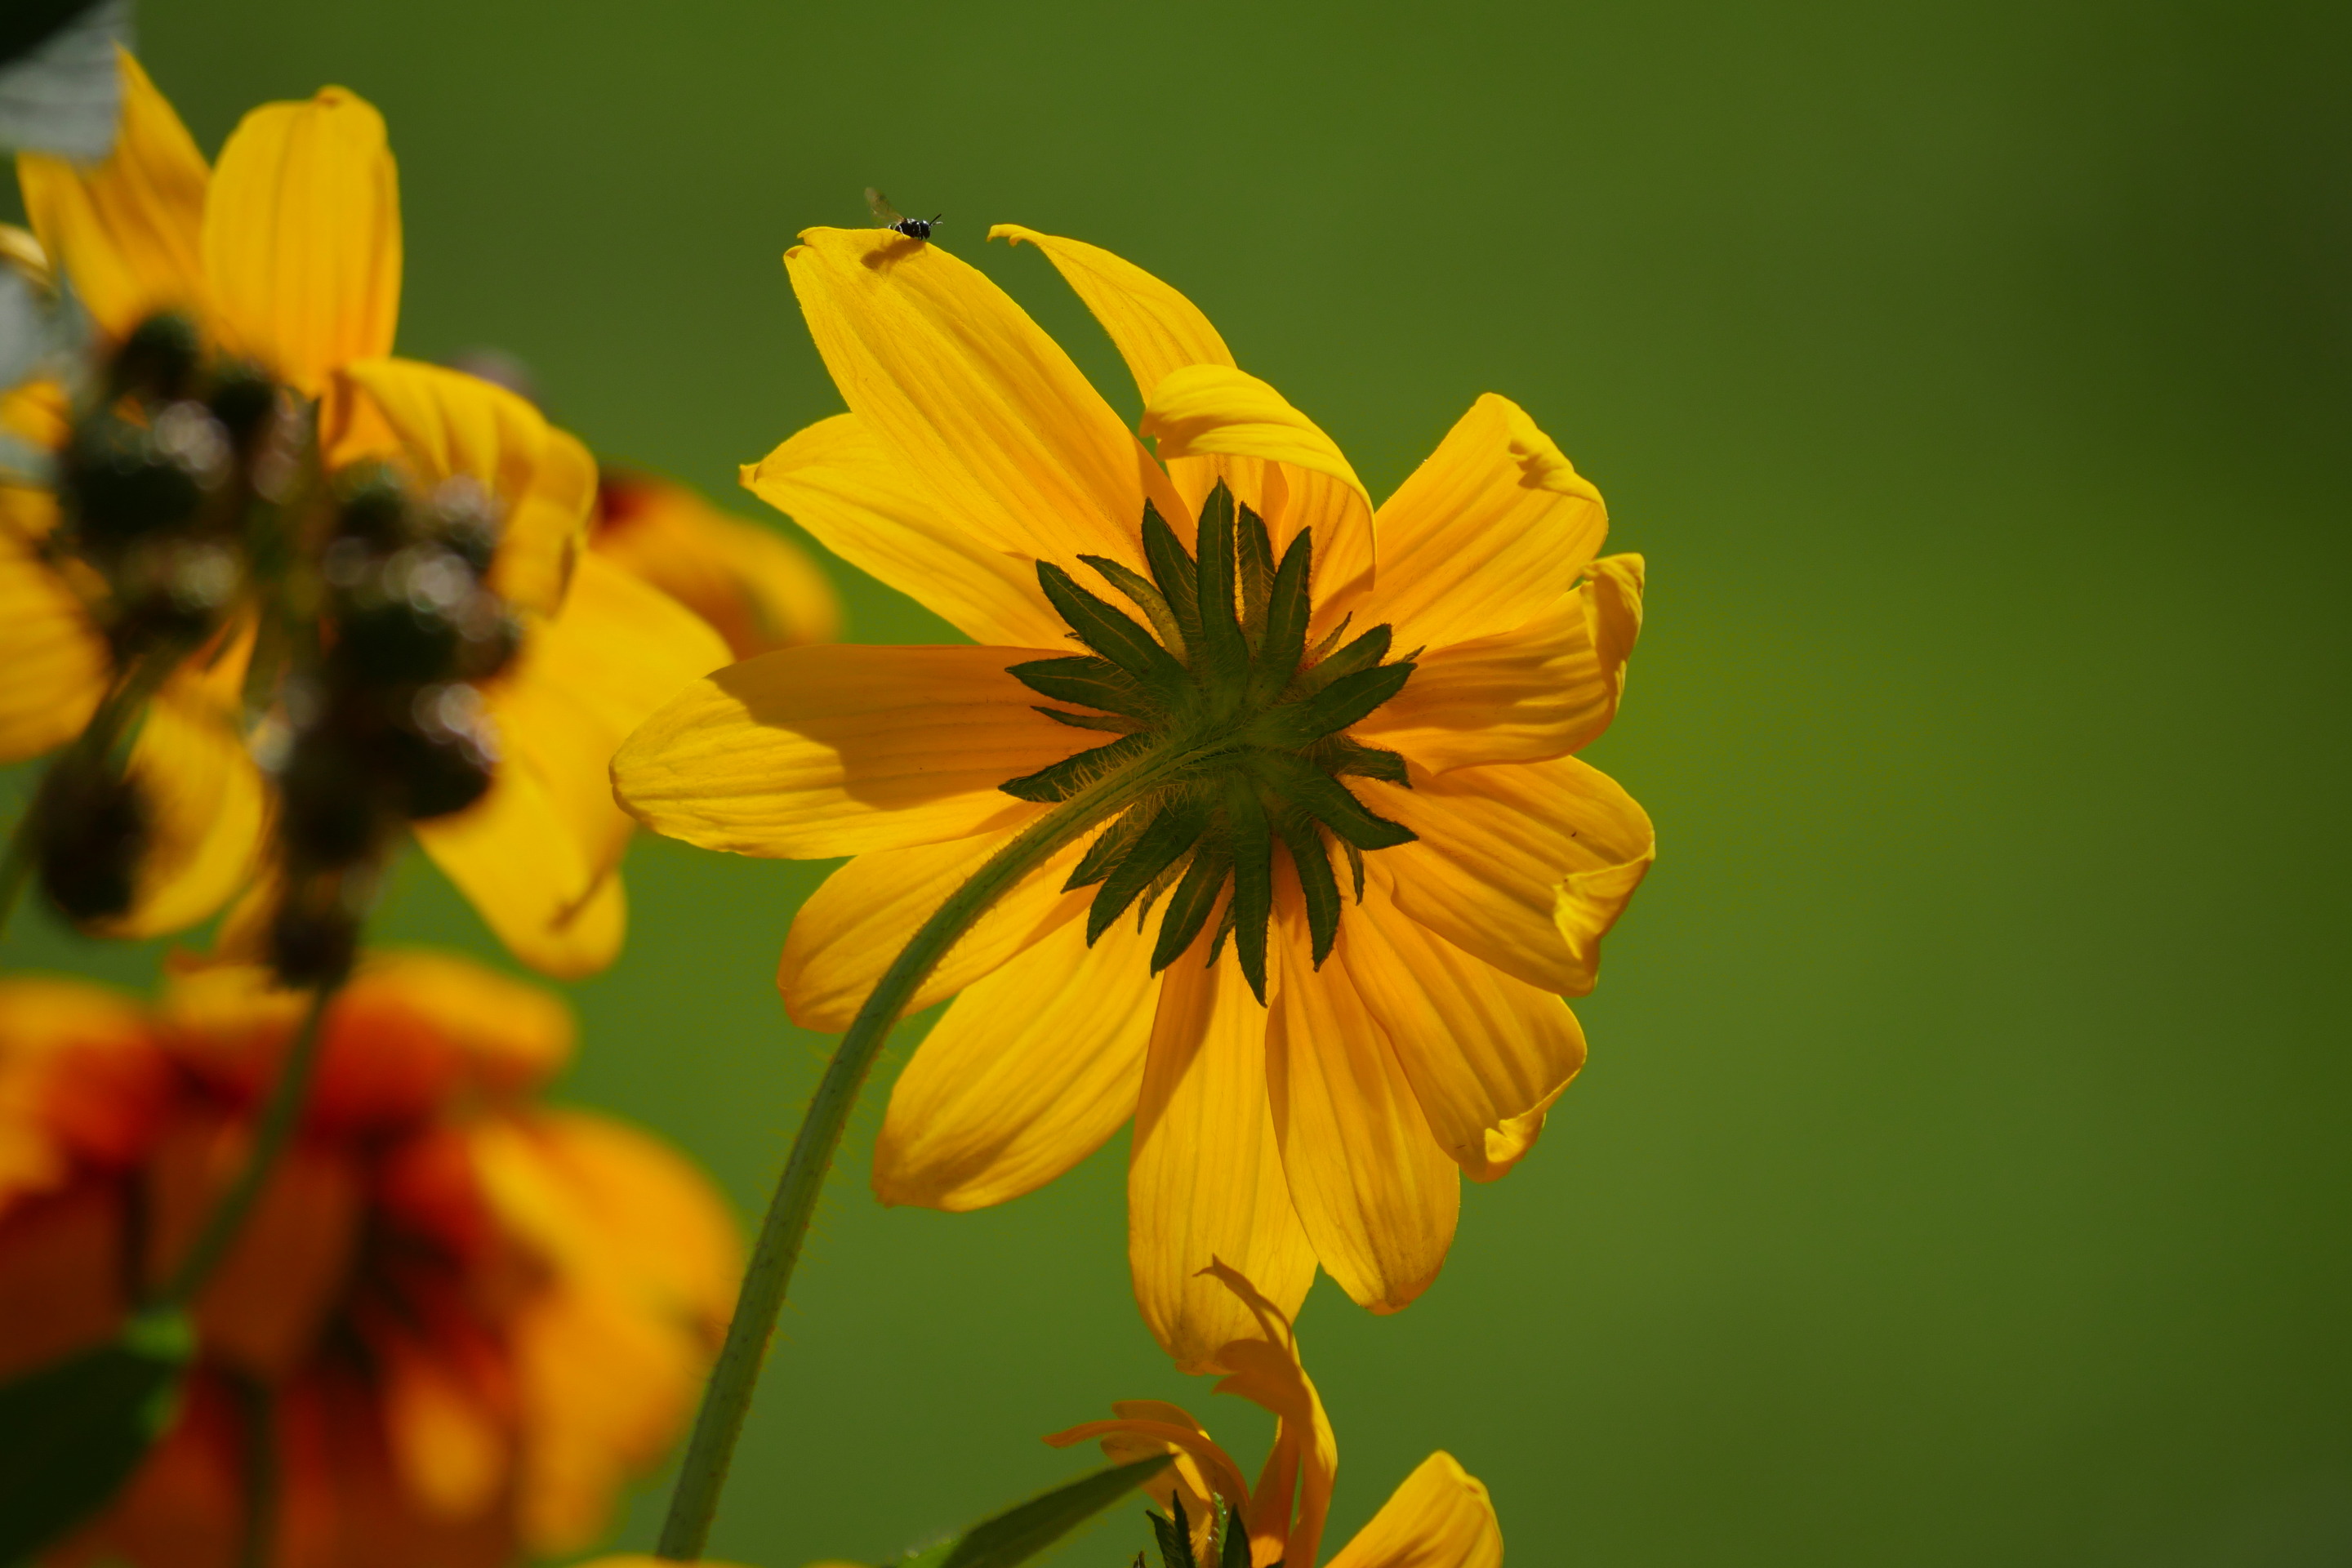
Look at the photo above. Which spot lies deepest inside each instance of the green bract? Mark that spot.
(1223, 678)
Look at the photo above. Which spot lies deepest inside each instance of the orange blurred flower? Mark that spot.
(457, 1320)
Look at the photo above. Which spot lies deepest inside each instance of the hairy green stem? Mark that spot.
(278, 1118)
(727, 1399)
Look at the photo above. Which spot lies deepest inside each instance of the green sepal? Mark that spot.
(1112, 722)
(1319, 889)
(1362, 654)
(1174, 1535)
(1071, 774)
(1339, 704)
(1256, 549)
(1328, 801)
(1353, 758)
(1146, 597)
(1176, 828)
(72, 1432)
(1224, 652)
(1173, 570)
(1189, 906)
(1089, 682)
(1283, 642)
(1104, 853)
(1252, 908)
(1114, 634)
(1021, 1533)
(1234, 1552)
(1355, 865)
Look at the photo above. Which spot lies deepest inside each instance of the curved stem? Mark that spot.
(278, 1118)
(728, 1398)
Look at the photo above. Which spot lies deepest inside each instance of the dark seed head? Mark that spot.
(314, 933)
(373, 508)
(159, 361)
(124, 481)
(442, 755)
(245, 400)
(401, 619)
(461, 516)
(94, 828)
(329, 810)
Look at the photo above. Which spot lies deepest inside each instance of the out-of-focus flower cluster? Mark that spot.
(457, 1320)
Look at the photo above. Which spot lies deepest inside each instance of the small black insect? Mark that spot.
(889, 218)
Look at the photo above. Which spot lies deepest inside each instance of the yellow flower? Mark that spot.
(1417, 1031)
(1440, 1518)
(289, 254)
(757, 591)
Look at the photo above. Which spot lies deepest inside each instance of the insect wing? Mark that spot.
(884, 215)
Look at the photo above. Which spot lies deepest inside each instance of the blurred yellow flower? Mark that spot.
(1439, 1517)
(1307, 1090)
(289, 254)
(466, 1319)
(757, 591)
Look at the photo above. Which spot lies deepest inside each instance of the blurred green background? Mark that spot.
(1962, 1172)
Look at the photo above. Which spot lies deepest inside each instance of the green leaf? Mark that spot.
(72, 1432)
(1020, 1533)
(1195, 897)
(1147, 597)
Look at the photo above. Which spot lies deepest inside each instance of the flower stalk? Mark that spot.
(718, 1425)
(276, 1130)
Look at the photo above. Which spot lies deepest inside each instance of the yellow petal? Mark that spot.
(128, 230)
(1156, 328)
(539, 855)
(809, 753)
(1478, 1046)
(57, 662)
(1205, 1177)
(1509, 1144)
(757, 591)
(998, 427)
(855, 923)
(1202, 1471)
(1498, 845)
(1266, 1369)
(1440, 1518)
(1377, 1195)
(1027, 1074)
(1545, 687)
(836, 479)
(615, 652)
(1491, 528)
(302, 236)
(207, 801)
(1206, 410)
(447, 424)
(528, 878)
